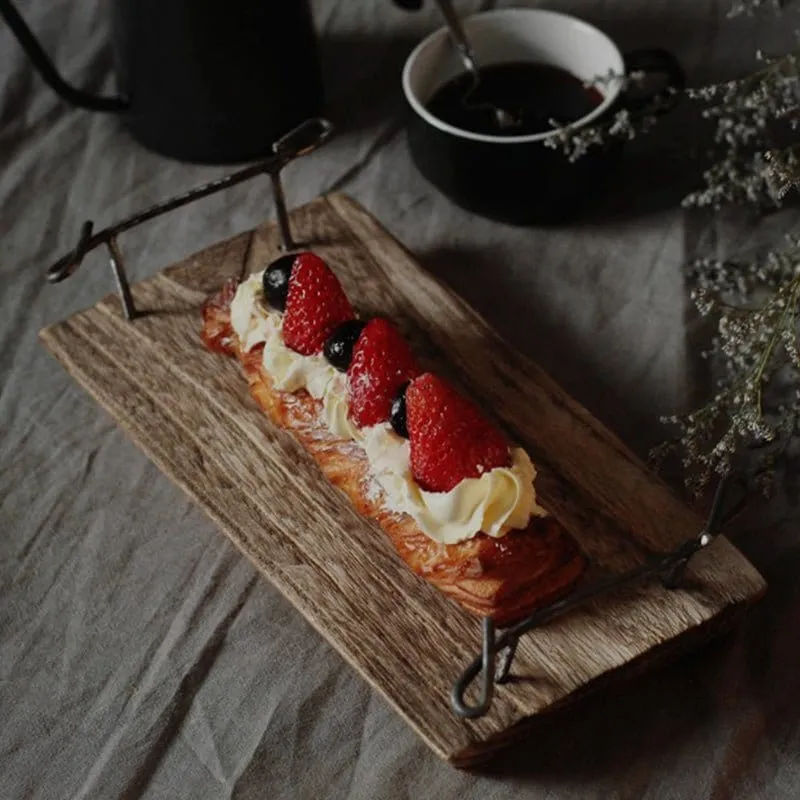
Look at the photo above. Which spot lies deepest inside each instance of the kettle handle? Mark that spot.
(49, 73)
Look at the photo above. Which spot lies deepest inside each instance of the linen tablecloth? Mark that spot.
(142, 655)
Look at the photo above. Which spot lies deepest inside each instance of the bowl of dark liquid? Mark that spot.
(547, 70)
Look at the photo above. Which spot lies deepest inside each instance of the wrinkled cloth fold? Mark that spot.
(142, 656)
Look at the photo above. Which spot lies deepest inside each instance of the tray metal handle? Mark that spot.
(670, 568)
(298, 142)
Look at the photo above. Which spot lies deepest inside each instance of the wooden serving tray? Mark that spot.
(190, 411)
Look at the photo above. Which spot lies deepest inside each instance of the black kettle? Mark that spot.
(208, 81)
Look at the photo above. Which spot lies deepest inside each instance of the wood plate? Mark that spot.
(190, 411)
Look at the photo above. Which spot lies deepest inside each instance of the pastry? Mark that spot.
(456, 500)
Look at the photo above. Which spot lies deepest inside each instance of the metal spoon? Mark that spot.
(503, 118)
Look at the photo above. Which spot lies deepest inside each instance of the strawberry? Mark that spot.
(315, 305)
(449, 436)
(382, 363)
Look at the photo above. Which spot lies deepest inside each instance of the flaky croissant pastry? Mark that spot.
(504, 576)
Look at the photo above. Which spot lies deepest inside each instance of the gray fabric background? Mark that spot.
(141, 655)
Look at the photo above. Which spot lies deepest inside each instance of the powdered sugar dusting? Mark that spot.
(373, 491)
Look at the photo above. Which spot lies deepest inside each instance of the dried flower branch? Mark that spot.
(574, 141)
(757, 402)
(758, 343)
(755, 160)
(746, 112)
(784, 171)
(756, 303)
(750, 7)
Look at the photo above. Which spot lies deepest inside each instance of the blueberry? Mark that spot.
(397, 416)
(276, 280)
(339, 347)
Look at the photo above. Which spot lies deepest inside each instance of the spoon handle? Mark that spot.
(457, 35)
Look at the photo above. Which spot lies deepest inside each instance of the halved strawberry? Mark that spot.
(315, 305)
(450, 438)
(382, 363)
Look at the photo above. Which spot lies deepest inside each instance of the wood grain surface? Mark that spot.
(190, 411)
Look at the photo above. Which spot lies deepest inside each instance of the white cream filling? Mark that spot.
(500, 500)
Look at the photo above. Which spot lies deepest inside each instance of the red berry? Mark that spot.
(315, 305)
(382, 363)
(450, 438)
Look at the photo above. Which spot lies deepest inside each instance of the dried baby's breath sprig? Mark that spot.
(757, 342)
(746, 113)
(740, 282)
(756, 405)
(750, 7)
(575, 140)
(754, 159)
(783, 171)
